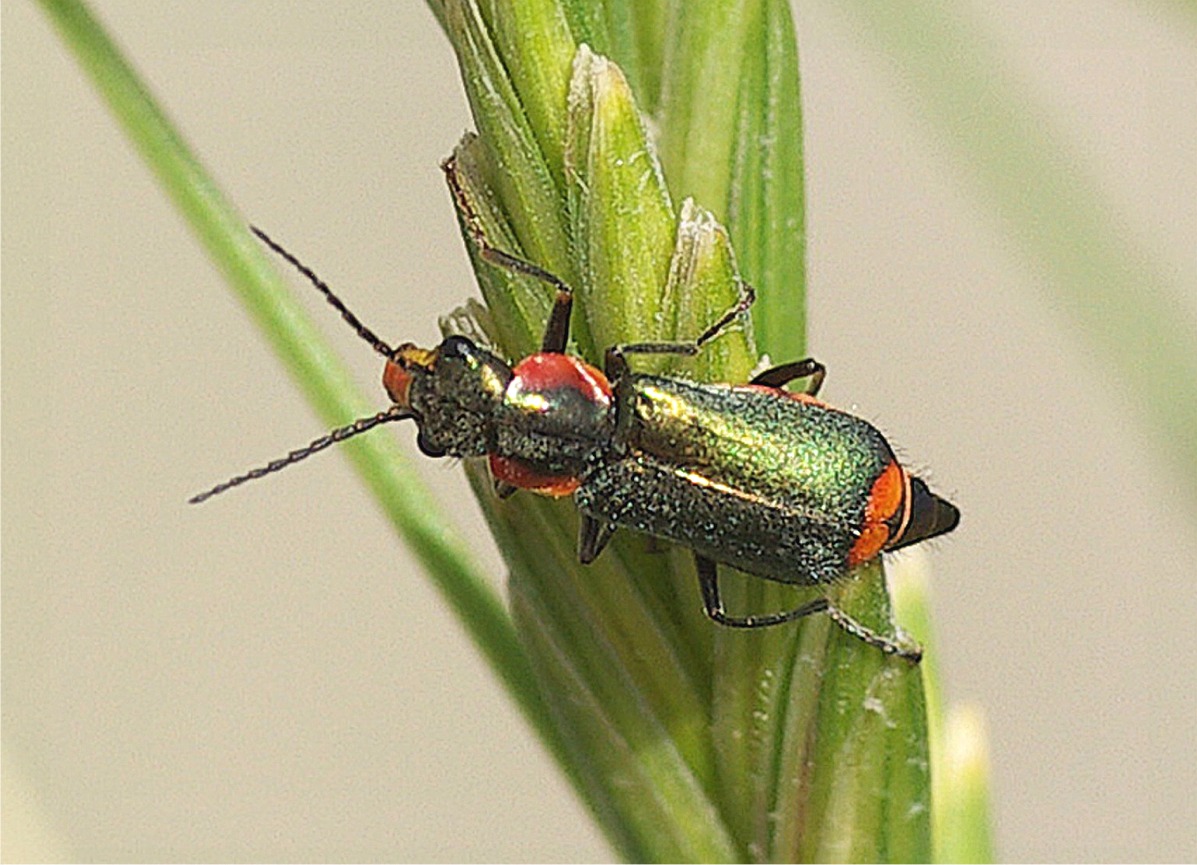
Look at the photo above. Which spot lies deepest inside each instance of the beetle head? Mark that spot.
(452, 392)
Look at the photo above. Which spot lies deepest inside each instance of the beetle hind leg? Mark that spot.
(708, 581)
(911, 651)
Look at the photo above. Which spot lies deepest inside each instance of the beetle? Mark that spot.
(775, 483)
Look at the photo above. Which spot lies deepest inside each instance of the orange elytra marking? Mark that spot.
(884, 500)
(869, 544)
(886, 496)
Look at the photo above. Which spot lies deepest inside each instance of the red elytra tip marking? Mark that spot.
(516, 473)
(872, 538)
(551, 371)
(885, 498)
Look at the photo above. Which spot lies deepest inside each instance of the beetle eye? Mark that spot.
(427, 448)
(458, 347)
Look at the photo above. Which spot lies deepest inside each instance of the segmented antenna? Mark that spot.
(359, 426)
(350, 319)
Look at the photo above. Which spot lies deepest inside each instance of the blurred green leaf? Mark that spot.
(1121, 302)
(963, 832)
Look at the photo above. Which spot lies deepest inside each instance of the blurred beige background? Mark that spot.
(269, 676)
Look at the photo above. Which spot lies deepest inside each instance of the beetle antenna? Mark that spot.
(359, 426)
(336, 302)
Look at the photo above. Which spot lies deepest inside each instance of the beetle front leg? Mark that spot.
(503, 489)
(556, 333)
(593, 535)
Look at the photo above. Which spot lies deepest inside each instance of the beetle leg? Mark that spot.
(504, 490)
(783, 374)
(708, 581)
(593, 535)
(911, 651)
(556, 333)
(616, 362)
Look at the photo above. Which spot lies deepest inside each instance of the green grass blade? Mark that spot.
(766, 205)
(534, 39)
(961, 826)
(622, 219)
(522, 178)
(731, 135)
(796, 742)
(633, 33)
(602, 637)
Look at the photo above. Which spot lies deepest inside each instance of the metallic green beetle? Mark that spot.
(769, 481)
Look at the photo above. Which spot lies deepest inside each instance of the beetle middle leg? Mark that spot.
(615, 362)
(708, 581)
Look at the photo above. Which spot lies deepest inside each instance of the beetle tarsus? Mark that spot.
(708, 578)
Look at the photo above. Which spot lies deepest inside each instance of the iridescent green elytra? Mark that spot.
(747, 476)
(771, 482)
